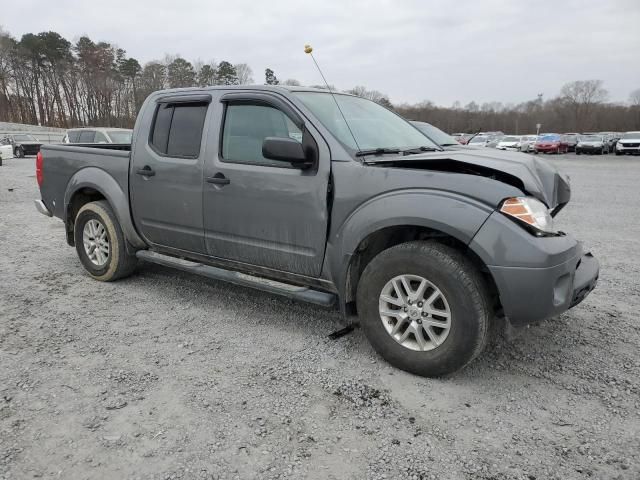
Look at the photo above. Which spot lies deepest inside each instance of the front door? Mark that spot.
(260, 211)
(166, 177)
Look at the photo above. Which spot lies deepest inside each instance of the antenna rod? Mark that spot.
(308, 50)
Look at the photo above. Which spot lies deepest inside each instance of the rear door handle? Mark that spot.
(218, 179)
(147, 171)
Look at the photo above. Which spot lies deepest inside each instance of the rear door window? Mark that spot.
(87, 136)
(177, 129)
(73, 136)
(100, 138)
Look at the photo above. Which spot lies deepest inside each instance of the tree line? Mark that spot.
(580, 106)
(47, 80)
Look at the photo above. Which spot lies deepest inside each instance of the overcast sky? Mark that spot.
(412, 50)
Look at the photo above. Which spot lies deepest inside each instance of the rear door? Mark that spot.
(260, 211)
(166, 177)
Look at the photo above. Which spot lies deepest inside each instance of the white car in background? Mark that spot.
(6, 152)
(509, 143)
(98, 135)
(528, 143)
(479, 141)
(628, 143)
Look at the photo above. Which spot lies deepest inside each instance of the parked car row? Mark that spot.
(21, 144)
(587, 143)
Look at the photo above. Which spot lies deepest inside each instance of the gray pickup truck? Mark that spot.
(332, 200)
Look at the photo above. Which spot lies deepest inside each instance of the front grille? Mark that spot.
(630, 145)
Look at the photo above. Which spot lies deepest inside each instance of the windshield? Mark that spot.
(591, 138)
(631, 135)
(509, 139)
(479, 139)
(435, 134)
(24, 138)
(372, 125)
(120, 136)
(549, 138)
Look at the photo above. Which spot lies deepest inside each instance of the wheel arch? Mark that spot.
(399, 217)
(385, 238)
(91, 184)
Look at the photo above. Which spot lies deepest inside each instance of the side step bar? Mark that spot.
(295, 292)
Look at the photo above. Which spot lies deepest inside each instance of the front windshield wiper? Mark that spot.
(416, 150)
(377, 151)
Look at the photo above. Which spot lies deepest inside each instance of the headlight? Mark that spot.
(531, 212)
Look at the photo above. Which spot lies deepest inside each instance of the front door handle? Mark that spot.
(147, 171)
(218, 179)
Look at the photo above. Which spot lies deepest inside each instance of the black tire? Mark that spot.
(119, 262)
(461, 284)
(618, 153)
(19, 152)
(578, 152)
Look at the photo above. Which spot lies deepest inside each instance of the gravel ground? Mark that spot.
(165, 375)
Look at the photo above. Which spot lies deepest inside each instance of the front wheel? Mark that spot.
(100, 243)
(424, 308)
(19, 152)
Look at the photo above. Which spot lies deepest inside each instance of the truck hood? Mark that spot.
(532, 175)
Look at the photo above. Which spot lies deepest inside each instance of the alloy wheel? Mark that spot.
(96, 242)
(415, 312)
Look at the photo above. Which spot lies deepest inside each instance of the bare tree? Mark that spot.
(634, 98)
(581, 97)
(292, 82)
(374, 95)
(244, 73)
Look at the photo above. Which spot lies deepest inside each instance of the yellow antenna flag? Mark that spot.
(308, 49)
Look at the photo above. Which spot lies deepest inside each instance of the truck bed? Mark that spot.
(64, 163)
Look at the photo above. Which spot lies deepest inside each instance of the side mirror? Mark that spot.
(285, 150)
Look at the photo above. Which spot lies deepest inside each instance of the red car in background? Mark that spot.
(551, 143)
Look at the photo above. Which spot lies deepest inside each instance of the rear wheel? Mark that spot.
(424, 308)
(100, 243)
(19, 152)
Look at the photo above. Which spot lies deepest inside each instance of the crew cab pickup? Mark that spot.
(330, 199)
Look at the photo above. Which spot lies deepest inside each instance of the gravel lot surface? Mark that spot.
(166, 375)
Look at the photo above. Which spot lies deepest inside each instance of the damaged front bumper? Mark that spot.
(536, 278)
(529, 295)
